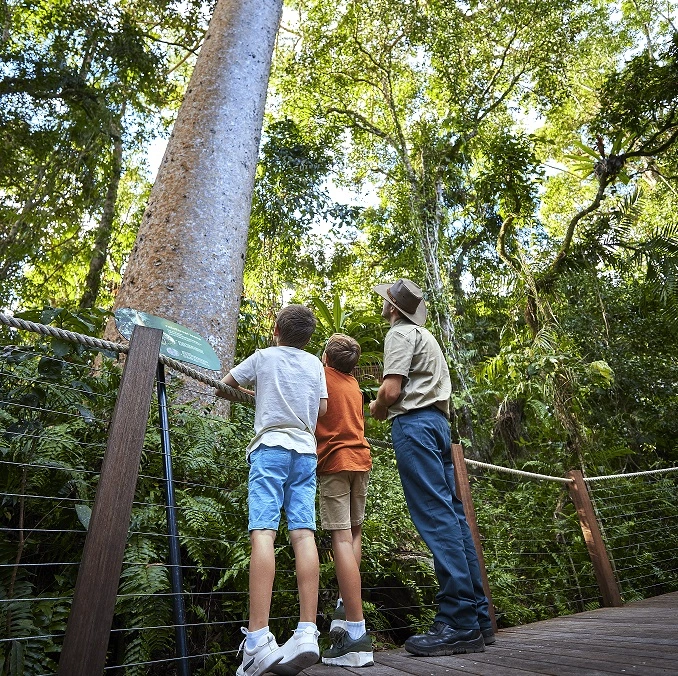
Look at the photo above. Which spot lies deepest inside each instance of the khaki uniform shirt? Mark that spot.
(411, 351)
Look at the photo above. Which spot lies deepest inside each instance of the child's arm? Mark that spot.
(322, 409)
(229, 380)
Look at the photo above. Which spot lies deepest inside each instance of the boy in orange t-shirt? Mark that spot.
(344, 464)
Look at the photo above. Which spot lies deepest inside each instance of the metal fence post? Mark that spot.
(594, 540)
(172, 530)
(91, 616)
(464, 494)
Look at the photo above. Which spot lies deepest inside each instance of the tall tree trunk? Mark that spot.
(187, 262)
(105, 229)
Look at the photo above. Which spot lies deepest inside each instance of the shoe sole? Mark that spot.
(362, 659)
(460, 648)
(489, 641)
(263, 667)
(298, 663)
(337, 628)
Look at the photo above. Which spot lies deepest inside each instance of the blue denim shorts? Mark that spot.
(281, 478)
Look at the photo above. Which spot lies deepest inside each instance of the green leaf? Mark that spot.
(600, 371)
(324, 311)
(85, 413)
(586, 149)
(338, 314)
(624, 177)
(84, 513)
(50, 368)
(16, 660)
(61, 347)
(617, 143)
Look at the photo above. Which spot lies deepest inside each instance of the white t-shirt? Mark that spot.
(288, 385)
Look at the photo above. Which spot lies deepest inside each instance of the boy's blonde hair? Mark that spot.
(342, 352)
(296, 325)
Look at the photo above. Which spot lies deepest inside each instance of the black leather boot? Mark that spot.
(442, 639)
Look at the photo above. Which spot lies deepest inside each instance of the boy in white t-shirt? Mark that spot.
(290, 393)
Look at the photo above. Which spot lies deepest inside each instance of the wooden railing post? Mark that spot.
(464, 494)
(91, 616)
(594, 540)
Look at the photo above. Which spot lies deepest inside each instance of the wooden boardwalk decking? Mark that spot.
(639, 638)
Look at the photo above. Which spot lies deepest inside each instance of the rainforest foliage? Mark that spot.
(517, 159)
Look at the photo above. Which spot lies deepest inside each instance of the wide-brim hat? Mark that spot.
(407, 297)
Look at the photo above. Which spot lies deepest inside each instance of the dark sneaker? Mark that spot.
(262, 658)
(348, 652)
(488, 636)
(338, 626)
(442, 639)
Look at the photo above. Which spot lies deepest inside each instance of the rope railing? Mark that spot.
(535, 553)
(518, 472)
(95, 343)
(242, 397)
(631, 475)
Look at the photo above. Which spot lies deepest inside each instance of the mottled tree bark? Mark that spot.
(187, 262)
(105, 229)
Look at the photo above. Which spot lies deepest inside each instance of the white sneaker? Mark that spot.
(262, 658)
(299, 652)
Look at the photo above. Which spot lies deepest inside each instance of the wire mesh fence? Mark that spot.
(535, 555)
(637, 516)
(54, 413)
(55, 410)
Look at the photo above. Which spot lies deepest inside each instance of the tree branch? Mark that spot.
(362, 123)
(194, 50)
(500, 67)
(402, 149)
(649, 152)
(364, 50)
(511, 261)
(480, 116)
(554, 268)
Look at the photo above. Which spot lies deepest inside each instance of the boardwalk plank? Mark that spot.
(610, 653)
(590, 663)
(602, 634)
(376, 670)
(541, 664)
(462, 664)
(640, 638)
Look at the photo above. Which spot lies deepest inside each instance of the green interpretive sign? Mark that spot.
(178, 342)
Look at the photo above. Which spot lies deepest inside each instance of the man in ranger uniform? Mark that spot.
(414, 396)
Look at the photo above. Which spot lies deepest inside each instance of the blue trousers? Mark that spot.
(421, 440)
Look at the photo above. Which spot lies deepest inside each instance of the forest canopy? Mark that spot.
(517, 159)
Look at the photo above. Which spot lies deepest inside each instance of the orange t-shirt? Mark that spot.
(341, 431)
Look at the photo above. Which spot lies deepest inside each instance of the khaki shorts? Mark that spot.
(342, 499)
